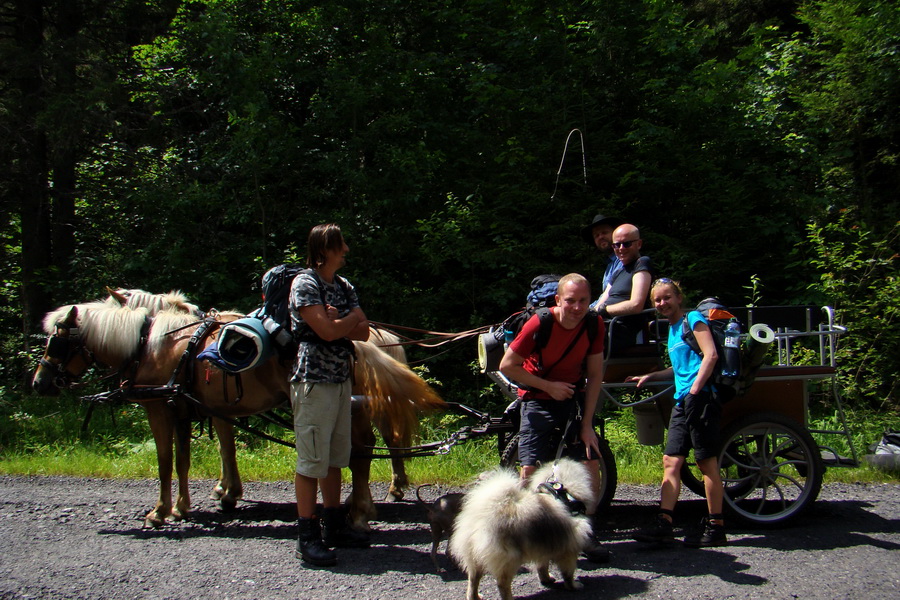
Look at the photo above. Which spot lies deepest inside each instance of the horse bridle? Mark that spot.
(62, 347)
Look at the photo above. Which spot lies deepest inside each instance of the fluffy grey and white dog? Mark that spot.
(503, 525)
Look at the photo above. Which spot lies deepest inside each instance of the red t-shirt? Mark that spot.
(570, 367)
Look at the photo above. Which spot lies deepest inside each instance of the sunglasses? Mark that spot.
(624, 244)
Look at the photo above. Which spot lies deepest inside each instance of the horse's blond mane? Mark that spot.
(115, 331)
(58, 315)
(164, 323)
(155, 303)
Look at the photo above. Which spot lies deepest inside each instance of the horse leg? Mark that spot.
(399, 480)
(163, 427)
(362, 508)
(230, 489)
(182, 467)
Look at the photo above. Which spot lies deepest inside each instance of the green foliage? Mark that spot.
(207, 137)
(858, 275)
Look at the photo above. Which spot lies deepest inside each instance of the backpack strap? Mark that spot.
(542, 336)
(687, 334)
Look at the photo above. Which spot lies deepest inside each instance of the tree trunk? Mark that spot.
(63, 149)
(29, 178)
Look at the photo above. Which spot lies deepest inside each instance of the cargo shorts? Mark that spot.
(321, 426)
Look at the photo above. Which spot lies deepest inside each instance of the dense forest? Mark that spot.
(461, 145)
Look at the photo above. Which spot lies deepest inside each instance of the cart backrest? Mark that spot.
(784, 318)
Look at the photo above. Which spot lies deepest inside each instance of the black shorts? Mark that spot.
(542, 426)
(695, 424)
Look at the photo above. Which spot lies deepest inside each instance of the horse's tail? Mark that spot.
(396, 394)
(388, 342)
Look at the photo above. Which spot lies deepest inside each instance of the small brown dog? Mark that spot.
(441, 516)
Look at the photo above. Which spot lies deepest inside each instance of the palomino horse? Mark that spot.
(147, 351)
(396, 420)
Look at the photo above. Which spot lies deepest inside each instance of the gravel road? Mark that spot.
(84, 539)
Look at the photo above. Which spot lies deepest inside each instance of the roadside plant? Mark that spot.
(858, 275)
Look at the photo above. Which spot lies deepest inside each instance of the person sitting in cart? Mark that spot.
(694, 422)
(599, 234)
(627, 292)
(559, 385)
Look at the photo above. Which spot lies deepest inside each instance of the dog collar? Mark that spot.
(558, 491)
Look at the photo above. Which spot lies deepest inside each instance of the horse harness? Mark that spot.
(67, 343)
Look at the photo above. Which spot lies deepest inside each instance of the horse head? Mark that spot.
(65, 357)
(80, 336)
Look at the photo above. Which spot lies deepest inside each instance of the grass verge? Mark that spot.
(41, 436)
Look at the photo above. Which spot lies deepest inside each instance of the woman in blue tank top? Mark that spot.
(694, 423)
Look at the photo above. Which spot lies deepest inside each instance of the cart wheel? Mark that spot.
(771, 469)
(608, 472)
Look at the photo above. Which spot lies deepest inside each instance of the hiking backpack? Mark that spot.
(726, 330)
(542, 295)
(538, 302)
(276, 290)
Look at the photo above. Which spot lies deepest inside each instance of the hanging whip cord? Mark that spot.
(561, 162)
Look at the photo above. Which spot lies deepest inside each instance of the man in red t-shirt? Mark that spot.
(556, 381)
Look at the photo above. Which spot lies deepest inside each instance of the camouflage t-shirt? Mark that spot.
(316, 362)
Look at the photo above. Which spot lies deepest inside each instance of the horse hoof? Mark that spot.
(394, 495)
(217, 493)
(152, 521)
(227, 503)
(361, 525)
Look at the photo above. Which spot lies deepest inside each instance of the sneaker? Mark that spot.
(708, 536)
(595, 552)
(658, 532)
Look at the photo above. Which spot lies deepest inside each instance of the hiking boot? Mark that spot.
(310, 548)
(337, 532)
(594, 552)
(710, 534)
(659, 532)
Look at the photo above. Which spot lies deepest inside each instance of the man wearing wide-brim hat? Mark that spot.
(599, 234)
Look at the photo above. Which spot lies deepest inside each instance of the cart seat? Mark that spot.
(637, 361)
(773, 373)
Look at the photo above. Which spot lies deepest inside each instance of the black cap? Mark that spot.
(587, 232)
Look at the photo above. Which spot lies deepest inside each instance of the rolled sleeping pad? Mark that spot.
(244, 344)
(758, 341)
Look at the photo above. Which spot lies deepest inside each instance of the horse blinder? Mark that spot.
(62, 347)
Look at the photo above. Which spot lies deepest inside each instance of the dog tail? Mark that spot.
(418, 496)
